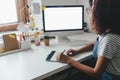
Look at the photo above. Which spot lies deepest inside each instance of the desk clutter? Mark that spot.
(11, 44)
(14, 42)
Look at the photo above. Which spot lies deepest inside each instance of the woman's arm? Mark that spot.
(96, 72)
(86, 48)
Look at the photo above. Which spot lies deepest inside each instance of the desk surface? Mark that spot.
(31, 64)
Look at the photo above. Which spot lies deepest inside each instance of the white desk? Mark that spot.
(31, 64)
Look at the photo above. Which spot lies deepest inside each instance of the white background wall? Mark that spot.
(37, 17)
(71, 2)
(57, 2)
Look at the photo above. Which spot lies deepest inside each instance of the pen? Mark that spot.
(63, 51)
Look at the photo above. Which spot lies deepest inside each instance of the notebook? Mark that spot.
(10, 42)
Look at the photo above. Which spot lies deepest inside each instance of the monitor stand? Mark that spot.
(62, 39)
(67, 41)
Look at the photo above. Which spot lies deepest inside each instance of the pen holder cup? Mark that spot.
(37, 41)
(46, 40)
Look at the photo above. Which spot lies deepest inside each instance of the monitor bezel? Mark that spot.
(69, 30)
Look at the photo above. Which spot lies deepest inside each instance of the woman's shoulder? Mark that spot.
(112, 37)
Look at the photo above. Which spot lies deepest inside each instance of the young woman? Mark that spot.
(104, 19)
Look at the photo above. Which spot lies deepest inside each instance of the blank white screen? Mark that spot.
(63, 18)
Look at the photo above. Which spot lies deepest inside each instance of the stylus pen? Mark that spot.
(63, 51)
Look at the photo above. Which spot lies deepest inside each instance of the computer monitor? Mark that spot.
(63, 20)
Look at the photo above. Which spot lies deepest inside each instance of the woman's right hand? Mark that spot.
(71, 52)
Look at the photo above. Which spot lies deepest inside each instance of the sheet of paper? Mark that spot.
(21, 27)
(36, 8)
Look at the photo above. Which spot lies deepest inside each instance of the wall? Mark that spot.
(86, 15)
(71, 2)
(57, 2)
(36, 16)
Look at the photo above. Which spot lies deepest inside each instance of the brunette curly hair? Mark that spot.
(106, 13)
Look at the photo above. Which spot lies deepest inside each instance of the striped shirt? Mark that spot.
(109, 47)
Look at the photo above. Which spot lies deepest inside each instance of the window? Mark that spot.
(11, 14)
(8, 13)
